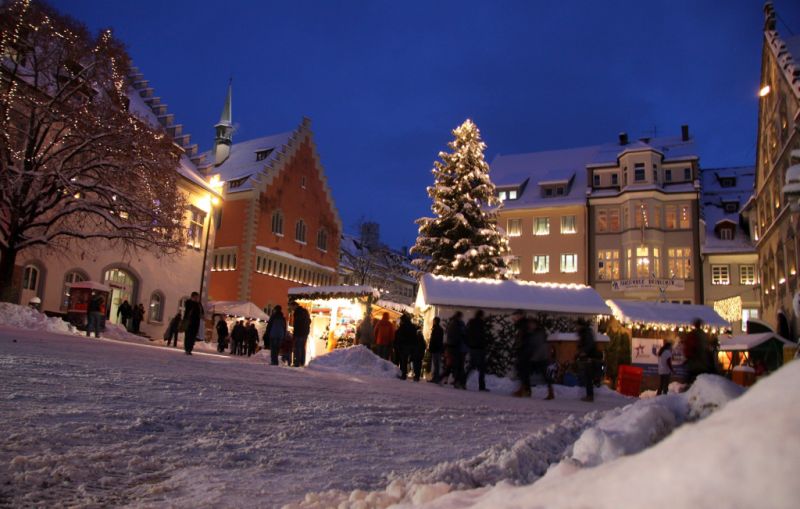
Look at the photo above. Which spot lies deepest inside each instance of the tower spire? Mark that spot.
(224, 129)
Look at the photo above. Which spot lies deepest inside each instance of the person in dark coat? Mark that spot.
(523, 348)
(136, 318)
(275, 333)
(540, 355)
(453, 347)
(251, 338)
(192, 314)
(436, 348)
(237, 338)
(222, 334)
(404, 342)
(418, 353)
(94, 315)
(302, 327)
(171, 335)
(125, 312)
(588, 354)
(695, 351)
(477, 343)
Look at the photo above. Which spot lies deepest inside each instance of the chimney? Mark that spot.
(684, 132)
(623, 138)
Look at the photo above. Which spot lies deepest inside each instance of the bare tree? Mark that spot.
(75, 164)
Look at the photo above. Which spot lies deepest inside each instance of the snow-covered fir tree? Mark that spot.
(463, 239)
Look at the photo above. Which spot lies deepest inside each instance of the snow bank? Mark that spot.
(751, 444)
(25, 317)
(356, 360)
(557, 452)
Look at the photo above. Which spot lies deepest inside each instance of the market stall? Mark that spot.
(649, 324)
(336, 312)
(233, 311)
(762, 351)
(80, 294)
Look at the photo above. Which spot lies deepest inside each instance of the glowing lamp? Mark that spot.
(764, 91)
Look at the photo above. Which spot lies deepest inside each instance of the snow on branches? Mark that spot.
(462, 239)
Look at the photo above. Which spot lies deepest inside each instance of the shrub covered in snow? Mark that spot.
(356, 360)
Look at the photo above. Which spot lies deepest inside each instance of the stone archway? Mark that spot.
(124, 284)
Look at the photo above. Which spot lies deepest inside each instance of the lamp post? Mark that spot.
(215, 219)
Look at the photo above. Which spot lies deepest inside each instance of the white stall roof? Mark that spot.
(665, 313)
(749, 341)
(334, 291)
(237, 308)
(497, 294)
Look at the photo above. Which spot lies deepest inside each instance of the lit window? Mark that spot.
(277, 222)
(514, 227)
(656, 262)
(568, 225)
(501, 195)
(541, 264)
(300, 231)
(642, 261)
(156, 307)
(541, 226)
(608, 265)
(720, 275)
(685, 217)
(748, 314)
(670, 217)
(602, 220)
(513, 265)
(512, 195)
(569, 262)
(747, 274)
(680, 262)
(197, 219)
(613, 220)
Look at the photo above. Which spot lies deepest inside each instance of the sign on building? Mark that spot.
(647, 283)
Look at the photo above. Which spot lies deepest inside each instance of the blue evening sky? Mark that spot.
(384, 82)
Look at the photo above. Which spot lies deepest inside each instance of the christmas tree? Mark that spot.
(462, 240)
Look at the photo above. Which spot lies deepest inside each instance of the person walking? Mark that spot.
(192, 314)
(302, 328)
(539, 355)
(251, 338)
(588, 354)
(665, 369)
(136, 318)
(404, 340)
(365, 333)
(171, 336)
(523, 348)
(477, 343)
(94, 315)
(384, 336)
(695, 350)
(436, 347)
(222, 333)
(273, 336)
(418, 352)
(454, 344)
(124, 312)
(237, 338)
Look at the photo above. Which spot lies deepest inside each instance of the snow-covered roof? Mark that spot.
(242, 163)
(713, 200)
(568, 164)
(749, 341)
(510, 295)
(665, 313)
(337, 291)
(237, 308)
(384, 257)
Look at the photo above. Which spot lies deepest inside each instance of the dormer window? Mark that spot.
(502, 195)
(508, 194)
(727, 181)
(263, 154)
(512, 195)
(687, 174)
(560, 191)
(548, 192)
(726, 233)
(731, 207)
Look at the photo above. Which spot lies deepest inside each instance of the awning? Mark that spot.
(510, 295)
(749, 341)
(665, 314)
(244, 309)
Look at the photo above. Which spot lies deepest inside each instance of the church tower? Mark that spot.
(224, 131)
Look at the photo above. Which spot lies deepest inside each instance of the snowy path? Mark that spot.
(99, 423)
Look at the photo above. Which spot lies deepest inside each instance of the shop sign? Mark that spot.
(647, 283)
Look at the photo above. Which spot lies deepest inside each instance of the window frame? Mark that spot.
(514, 227)
(300, 231)
(720, 274)
(564, 227)
(277, 222)
(536, 221)
(747, 279)
(156, 317)
(546, 259)
(564, 265)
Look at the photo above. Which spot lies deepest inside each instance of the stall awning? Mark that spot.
(746, 342)
(333, 292)
(497, 294)
(237, 308)
(665, 314)
(91, 285)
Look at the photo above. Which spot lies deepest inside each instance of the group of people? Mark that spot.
(403, 345)
(698, 352)
(130, 316)
(188, 323)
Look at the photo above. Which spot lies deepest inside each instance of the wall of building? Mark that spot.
(737, 284)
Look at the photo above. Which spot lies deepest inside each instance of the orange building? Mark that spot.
(279, 226)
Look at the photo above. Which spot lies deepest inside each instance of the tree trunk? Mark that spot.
(9, 289)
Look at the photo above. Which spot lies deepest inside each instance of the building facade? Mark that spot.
(279, 225)
(544, 214)
(730, 274)
(140, 277)
(774, 217)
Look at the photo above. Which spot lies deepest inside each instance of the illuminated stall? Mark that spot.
(336, 312)
(233, 311)
(80, 293)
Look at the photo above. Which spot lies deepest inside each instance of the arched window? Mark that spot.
(30, 278)
(156, 313)
(277, 222)
(300, 231)
(73, 276)
(322, 240)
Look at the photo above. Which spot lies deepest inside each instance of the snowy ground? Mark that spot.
(92, 422)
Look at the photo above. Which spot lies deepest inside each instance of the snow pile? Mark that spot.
(25, 317)
(355, 360)
(752, 443)
(556, 452)
(117, 331)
